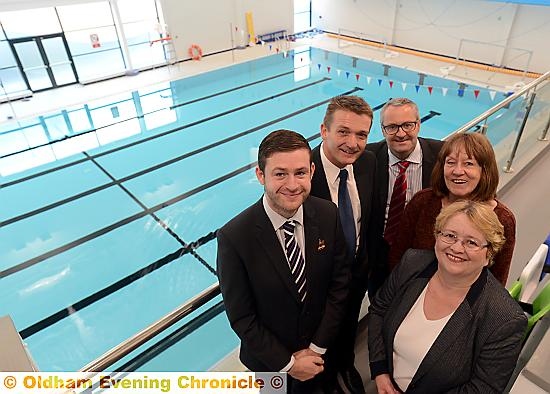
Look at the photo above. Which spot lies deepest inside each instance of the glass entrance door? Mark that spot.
(45, 61)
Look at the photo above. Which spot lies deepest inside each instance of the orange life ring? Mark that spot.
(195, 52)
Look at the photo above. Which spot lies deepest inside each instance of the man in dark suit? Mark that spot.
(344, 130)
(283, 268)
(400, 122)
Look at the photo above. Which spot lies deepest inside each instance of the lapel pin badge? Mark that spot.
(321, 245)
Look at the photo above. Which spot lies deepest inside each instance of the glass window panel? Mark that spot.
(132, 10)
(140, 32)
(55, 50)
(301, 22)
(97, 65)
(145, 55)
(6, 56)
(72, 146)
(29, 54)
(80, 42)
(85, 16)
(302, 6)
(57, 127)
(79, 120)
(38, 79)
(27, 23)
(63, 74)
(2, 35)
(12, 80)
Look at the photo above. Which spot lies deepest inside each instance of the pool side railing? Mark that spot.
(528, 119)
(123, 349)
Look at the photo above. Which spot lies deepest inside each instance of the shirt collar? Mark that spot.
(414, 157)
(332, 172)
(277, 220)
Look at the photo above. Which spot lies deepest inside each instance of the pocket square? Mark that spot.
(321, 245)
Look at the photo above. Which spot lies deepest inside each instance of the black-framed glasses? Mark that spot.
(407, 127)
(470, 244)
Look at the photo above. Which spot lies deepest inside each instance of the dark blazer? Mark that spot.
(364, 169)
(477, 349)
(260, 296)
(378, 247)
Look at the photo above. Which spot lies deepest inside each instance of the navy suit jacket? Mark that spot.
(477, 349)
(259, 293)
(364, 170)
(377, 245)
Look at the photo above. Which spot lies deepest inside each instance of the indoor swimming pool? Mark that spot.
(109, 208)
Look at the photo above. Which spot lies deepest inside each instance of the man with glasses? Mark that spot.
(404, 167)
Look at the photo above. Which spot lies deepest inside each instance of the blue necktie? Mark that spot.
(346, 212)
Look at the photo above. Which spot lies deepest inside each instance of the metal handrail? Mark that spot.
(132, 343)
(503, 103)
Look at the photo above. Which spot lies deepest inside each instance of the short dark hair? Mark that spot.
(477, 146)
(281, 141)
(399, 102)
(354, 104)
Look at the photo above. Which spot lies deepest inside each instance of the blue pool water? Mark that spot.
(98, 201)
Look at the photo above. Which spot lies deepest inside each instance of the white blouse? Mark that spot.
(413, 339)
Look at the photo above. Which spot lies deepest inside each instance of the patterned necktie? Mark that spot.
(295, 259)
(346, 213)
(397, 203)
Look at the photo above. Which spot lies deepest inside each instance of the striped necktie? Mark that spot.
(295, 258)
(397, 203)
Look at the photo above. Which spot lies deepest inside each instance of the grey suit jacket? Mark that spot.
(476, 351)
(259, 293)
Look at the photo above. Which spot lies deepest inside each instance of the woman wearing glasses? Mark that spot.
(442, 322)
(465, 169)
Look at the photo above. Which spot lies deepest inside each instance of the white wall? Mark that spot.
(438, 26)
(207, 22)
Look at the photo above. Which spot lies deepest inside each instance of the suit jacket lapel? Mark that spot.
(458, 321)
(428, 160)
(268, 240)
(319, 182)
(406, 302)
(311, 231)
(383, 172)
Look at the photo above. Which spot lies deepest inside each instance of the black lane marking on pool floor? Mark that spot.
(140, 273)
(108, 290)
(139, 215)
(159, 221)
(104, 230)
(429, 116)
(167, 132)
(68, 137)
(159, 165)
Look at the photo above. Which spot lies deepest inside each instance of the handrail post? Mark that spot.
(543, 136)
(508, 167)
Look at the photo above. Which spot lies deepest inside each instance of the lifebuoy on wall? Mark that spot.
(195, 52)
